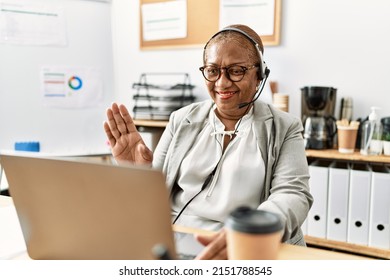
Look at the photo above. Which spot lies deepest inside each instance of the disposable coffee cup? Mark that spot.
(346, 139)
(280, 101)
(253, 234)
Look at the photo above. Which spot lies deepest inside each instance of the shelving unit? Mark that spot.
(347, 247)
(333, 154)
(356, 157)
(151, 123)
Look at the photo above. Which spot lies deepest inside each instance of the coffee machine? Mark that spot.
(318, 108)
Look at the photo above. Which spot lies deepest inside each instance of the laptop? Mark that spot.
(74, 209)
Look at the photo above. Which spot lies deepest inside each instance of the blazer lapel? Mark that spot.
(183, 140)
(263, 120)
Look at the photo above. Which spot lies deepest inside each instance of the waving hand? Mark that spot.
(126, 142)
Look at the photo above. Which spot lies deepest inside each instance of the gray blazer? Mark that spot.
(279, 134)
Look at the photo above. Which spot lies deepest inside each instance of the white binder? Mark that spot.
(338, 201)
(379, 227)
(316, 221)
(359, 204)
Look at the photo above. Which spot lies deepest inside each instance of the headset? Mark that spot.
(263, 71)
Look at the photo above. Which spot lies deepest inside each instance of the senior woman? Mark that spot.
(225, 152)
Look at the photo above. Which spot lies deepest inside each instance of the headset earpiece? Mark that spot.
(266, 71)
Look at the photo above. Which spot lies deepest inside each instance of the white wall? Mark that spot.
(23, 115)
(344, 44)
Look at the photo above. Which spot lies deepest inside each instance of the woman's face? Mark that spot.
(227, 95)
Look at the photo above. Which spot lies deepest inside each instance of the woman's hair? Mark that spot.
(240, 39)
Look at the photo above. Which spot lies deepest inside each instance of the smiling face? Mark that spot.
(227, 95)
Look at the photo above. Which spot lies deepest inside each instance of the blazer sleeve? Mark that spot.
(289, 194)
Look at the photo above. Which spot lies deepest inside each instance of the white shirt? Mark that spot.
(238, 179)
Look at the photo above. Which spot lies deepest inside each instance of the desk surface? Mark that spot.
(287, 252)
(292, 252)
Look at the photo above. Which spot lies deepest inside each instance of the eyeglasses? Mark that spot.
(234, 73)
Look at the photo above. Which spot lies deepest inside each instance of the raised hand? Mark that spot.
(127, 145)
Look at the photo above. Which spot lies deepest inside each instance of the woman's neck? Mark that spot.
(228, 121)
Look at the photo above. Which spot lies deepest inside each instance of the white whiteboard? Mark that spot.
(23, 116)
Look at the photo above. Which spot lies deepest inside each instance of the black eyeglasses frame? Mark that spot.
(227, 73)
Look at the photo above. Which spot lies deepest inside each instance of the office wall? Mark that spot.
(24, 117)
(344, 44)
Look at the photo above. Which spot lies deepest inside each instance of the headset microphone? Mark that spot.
(242, 105)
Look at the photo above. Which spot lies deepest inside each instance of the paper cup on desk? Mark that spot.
(347, 138)
(280, 101)
(253, 234)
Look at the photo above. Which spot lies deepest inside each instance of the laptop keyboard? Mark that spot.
(186, 246)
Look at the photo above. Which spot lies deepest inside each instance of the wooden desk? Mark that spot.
(287, 252)
(5, 201)
(291, 252)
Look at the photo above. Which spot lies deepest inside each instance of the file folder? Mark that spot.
(316, 222)
(359, 204)
(379, 227)
(338, 201)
